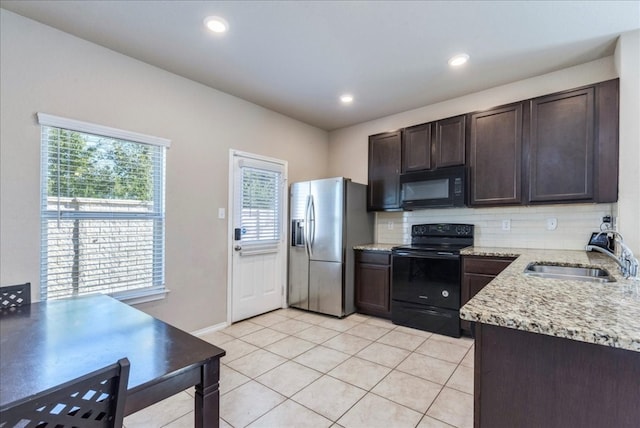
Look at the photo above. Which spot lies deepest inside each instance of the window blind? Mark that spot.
(261, 207)
(102, 214)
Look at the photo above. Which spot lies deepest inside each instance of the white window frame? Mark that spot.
(144, 294)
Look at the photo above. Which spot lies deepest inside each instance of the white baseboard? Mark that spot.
(210, 329)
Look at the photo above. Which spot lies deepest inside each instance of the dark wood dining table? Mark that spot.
(51, 342)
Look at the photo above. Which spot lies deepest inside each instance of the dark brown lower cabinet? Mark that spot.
(530, 380)
(478, 271)
(373, 283)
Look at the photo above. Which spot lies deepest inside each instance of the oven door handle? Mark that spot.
(401, 253)
(435, 313)
(445, 253)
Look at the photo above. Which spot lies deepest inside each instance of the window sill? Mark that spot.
(142, 296)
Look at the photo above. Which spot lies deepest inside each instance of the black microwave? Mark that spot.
(440, 188)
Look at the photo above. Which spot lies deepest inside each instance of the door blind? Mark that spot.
(261, 212)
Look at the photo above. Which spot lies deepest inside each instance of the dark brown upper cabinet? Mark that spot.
(561, 147)
(495, 156)
(434, 145)
(449, 142)
(416, 148)
(383, 191)
(572, 146)
(558, 148)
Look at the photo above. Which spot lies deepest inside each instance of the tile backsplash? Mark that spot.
(528, 225)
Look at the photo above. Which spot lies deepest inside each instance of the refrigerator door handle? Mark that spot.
(312, 225)
(307, 245)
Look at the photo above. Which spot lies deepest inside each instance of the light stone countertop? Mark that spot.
(375, 247)
(601, 313)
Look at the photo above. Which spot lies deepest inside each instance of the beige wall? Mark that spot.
(627, 59)
(348, 148)
(45, 70)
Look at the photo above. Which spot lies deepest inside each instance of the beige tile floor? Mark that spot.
(291, 368)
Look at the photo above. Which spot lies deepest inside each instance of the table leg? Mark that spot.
(207, 401)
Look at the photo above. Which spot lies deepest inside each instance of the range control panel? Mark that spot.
(441, 229)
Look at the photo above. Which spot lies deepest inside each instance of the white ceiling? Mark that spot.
(297, 57)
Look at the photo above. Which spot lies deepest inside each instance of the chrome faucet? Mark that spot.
(626, 260)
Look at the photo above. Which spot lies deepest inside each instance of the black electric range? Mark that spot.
(426, 278)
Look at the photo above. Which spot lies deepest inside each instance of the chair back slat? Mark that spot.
(14, 296)
(95, 400)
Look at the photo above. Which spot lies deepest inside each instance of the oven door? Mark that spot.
(427, 318)
(427, 279)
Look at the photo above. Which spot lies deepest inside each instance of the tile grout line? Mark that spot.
(268, 387)
(339, 332)
(442, 389)
(292, 359)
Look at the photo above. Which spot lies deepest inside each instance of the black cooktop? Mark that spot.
(452, 248)
(439, 237)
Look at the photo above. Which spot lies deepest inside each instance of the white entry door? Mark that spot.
(258, 200)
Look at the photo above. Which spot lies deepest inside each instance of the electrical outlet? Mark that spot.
(389, 225)
(506, 225)
(552, 223)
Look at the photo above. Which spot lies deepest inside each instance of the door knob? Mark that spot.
(237, 248)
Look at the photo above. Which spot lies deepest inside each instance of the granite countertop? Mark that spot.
(601, 313)
(375, 247)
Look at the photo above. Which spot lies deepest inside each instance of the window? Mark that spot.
(102, 211)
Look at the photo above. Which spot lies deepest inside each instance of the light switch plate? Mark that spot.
(552, 223)
(221, 213)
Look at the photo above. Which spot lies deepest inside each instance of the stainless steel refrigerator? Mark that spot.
(328, 217)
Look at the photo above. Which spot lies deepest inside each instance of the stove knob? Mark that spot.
(445, 293)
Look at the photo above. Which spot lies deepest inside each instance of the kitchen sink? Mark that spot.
(574, 273)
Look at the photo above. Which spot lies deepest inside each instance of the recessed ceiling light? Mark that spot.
(458, 60)
(216, 24)
(346, 98)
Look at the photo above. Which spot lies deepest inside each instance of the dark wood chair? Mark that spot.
(93, 400)
(13, 296)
